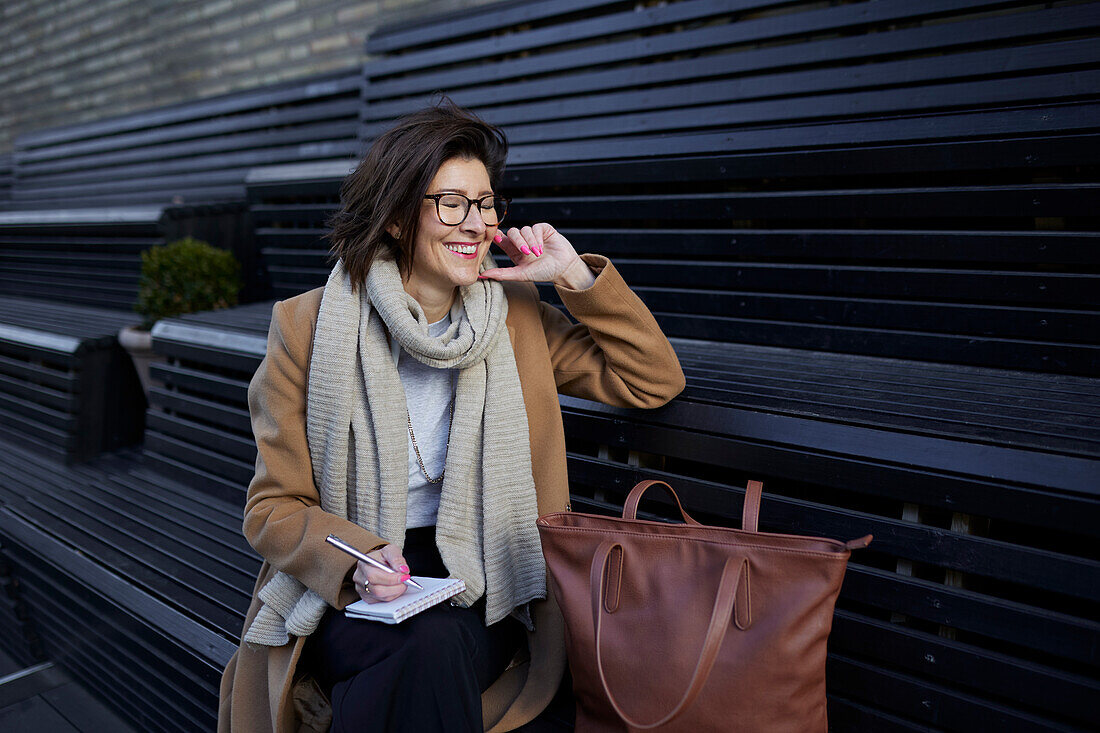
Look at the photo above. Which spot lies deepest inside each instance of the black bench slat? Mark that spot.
(219, 533)
(196, 193)
(202, 136)
(238, 473)
(983, 496)
(196, 407)
(847, 715)
(753, 30)
(76, 506)
(945, 415)
(896, 203)
(56, 402)
(992, 286)
(878, 159)
(199, 435)
(98, 540)
(38, 420)
(919, 652)
(1048, 631)
(189, 543)
(1001, 322)
(170, 677)
(909, 71)
(190, 161)
(1042, 119)
(1046, 88)
(934, 704)
(212, 646)
(37, 373)
(89, 324)
(105, 676)
(144, 662)
(210, 483)
(1061, 391)
(992, 462)
(34, 436)
(415, 32)
(215, 386)
(330, 84)
(1024, 430)
(976, 350)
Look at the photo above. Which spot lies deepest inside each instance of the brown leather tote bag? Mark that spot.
(688, 627)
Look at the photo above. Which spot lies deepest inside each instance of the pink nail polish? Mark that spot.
(498, 238)
(482, 277)
(525, 249)
(404, 568)
(539, 251)
(405, 577)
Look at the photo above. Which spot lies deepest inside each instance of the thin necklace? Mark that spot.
(417, 449)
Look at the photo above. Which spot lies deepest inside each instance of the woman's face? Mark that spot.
(442, 255)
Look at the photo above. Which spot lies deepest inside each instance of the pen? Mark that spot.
(339, 543)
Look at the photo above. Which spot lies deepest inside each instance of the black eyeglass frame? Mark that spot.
(469, 206)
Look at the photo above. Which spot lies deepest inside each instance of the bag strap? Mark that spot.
(630, 506)
(750, 514)
(716, 630)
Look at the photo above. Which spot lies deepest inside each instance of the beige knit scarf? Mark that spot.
(356, 430)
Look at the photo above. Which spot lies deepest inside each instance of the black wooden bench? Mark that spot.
(78, 205)
(192, 152)
(870, 229)
(70, 281)
(134, 583)
(66, 386)
(972, 604)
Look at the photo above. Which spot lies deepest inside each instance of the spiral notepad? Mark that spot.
(410, 603)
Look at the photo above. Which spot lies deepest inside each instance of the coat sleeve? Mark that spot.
(616, 353)
(283, 518)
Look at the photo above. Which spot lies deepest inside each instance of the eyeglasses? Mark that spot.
(453, 208)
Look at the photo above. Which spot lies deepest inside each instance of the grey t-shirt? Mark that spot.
(428, 397)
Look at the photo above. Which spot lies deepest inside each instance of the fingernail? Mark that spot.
(405, 577)
(404, 568)
(538, 252)
(482, 277)
(525, 249)
(498, 238)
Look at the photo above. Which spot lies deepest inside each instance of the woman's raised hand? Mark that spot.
(541, 254)
(374, 585)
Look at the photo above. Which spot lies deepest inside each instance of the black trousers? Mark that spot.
(424, 674)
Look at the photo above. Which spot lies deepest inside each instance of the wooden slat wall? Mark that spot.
(190, 152)
(90, 258)
(915, 180)
(978, 602)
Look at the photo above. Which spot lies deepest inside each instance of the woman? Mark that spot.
(410, 407)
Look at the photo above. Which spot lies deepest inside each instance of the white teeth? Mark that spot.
(466, 249)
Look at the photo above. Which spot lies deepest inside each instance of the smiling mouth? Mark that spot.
(462, 249)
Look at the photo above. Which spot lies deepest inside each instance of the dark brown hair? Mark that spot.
(388, 185)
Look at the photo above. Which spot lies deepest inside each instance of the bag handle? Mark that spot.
(750, 513)
(716, 630)
(630, 506)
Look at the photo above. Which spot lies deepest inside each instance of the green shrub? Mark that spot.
(183, 277)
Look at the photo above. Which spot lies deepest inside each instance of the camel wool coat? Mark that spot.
(616, 354)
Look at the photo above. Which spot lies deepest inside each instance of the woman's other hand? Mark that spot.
(374, 585)
(541, 254)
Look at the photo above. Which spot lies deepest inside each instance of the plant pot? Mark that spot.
(139, 344)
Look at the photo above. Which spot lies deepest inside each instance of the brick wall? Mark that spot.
(68, 61)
